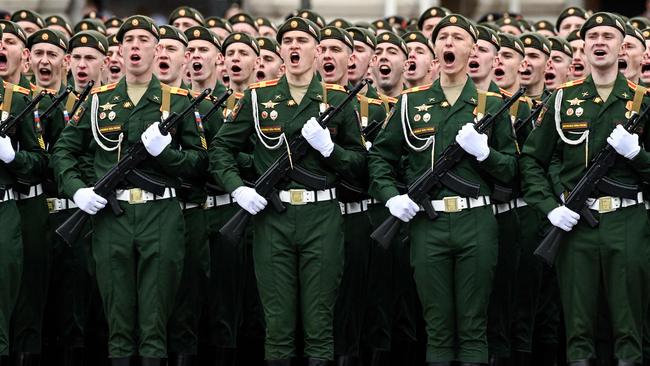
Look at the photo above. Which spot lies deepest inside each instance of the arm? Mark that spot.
(384, 157)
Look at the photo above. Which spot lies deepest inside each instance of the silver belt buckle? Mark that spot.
(297, 196)
(136, 196)
(605, 204)
(451, 204)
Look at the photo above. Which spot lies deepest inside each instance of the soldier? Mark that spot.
(364, 49)
(115, 69)
(390, 54)
(185, 17)
(453, 265)
(266, 28)
(59, 23)
(483, 60)
(559, 61)
(645, 61)
(579, 66)
(430, 18)
(145, 256)
(244, 23)
(510, 26)
(21, 154)
(170, 61)
(28, 20)
(590, 257)
(90, 24)
(241, 55)
(629, 61)
(219, 26)
(14, 50)
(112, 25)
(569, 20)
(298, 259)
(545, 28)
(421, 64)
(271, 65)
(509, 61)
(538, 50)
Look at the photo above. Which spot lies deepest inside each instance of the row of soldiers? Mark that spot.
(306, 274)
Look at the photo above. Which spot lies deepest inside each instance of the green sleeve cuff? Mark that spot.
(547, 206)
(641, 160)
(73, 186)
(233, 183)
(387, 193)
(19, 161)
(167, 156)
(491, 160)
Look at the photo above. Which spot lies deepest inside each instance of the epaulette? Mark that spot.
(179, 91)
(239, 95)
(265, 83)
(572, 83)
(103, 88)
(490, 94)
(523, 99)
(335, 87)
(416, 89)
(16, 88)
(634, 85)
(37, 89)
(389, 99)
(376, 101)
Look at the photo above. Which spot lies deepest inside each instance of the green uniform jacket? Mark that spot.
(30, 150)
(582, 110)
(429, 113)
(185, 157)
(279, 113)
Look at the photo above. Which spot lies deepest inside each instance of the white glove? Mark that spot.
(402, 207)
(625, 143)
(248, 199)
(89, 201)
(563, 218)
(472, 142)
(154, 141)
(318, 137)
(7, 153)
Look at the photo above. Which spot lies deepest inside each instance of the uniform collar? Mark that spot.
(468, 95)
(621, 89)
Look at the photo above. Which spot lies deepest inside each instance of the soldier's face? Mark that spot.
(453, 46)
(511, 29)
(47, 61)
(334, 59)
(428, 26)
(534, 65)
(115, 69)
(220, 32)
(363, 54)
(170, 60)
(139, 49)
(389, 66)
(266, 31)
(184, 23)
(245, 28)
(579, 66)
(570, 24)
(602, 46)
(299, 51)
(557, 69)
(202, 58)
(419, 63)
(270, 66)
(29, 27)
(645, 63)
(629, 61)
(481, 62)
(86, 64)
(508, 65)
(240, 62)
(12, 51)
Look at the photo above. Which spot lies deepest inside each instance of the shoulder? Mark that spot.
(174, 90)
(369, 100)
(264, 84)
(16, 88)
(572, 83)
(491, 94)
(336, 87)
(103, 88)
(417, 89)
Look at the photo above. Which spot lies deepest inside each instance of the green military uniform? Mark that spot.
(502, 298)
(298, 264)
(454, 256)
(30, 159)
(139, 255)
(615, 251)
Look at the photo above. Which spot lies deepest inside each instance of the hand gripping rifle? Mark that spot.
(106, 185)
(281, 167)
(439, 174)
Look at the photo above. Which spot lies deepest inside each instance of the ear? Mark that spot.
(157, 50)
(220, 60)
(281, 70)
(120, 51)
(352, 59)
(66, 61)
(105, 63)
(373, 61)
(473, 50)
(187, 57)
(258, 61)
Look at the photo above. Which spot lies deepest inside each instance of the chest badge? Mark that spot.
(107, 106)
(569, 112)
(417, 118)
(273, 115)
(423, 107)
(426, 117)
(444, 104)
(270, 104)
(102, 115)
(575, 101)
(111, 115)
(291, 103)
(265, 114)
(579, 111)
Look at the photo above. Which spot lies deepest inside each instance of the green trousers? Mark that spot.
(27, 318)
(616, 253)
(500, 308)
(298, 258)
(454, 259)
(70, 285)
(352, 299)
(139, 261)
(184, 322)
(11, 262)
(536, 312)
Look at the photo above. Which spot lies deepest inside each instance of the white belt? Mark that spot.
(216, 201)
(505, 207)
(457, 204)
(136, 195)
(8, 196)
(60, 204)
(188, 205)
(297, 197)
(354, 207)
(610, 204)
(34, 191)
